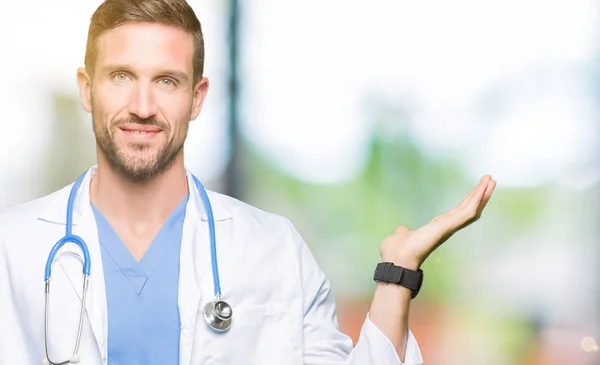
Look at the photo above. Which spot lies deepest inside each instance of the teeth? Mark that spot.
(139, 132)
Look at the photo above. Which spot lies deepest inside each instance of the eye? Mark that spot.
(120, 76)
(167, 82)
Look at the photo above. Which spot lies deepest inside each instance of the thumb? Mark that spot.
(401, 229)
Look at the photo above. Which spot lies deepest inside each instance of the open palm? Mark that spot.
(410, 248)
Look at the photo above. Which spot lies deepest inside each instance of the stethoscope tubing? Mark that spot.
(69, 237)
(212, 236)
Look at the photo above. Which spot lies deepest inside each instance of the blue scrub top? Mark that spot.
(143, 316)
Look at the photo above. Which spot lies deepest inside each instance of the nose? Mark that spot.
(143, 103)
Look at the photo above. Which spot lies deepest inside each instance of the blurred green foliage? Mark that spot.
(400, 185)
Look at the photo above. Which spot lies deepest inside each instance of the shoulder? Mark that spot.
(265, 229)
(14, 216)
(243, 213)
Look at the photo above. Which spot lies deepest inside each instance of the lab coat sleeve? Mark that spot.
(324, 343)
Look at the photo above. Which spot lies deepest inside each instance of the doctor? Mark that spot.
(148, 230)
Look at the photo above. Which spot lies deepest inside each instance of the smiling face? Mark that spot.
(142, 96)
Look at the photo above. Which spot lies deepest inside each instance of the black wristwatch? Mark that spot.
(386, 272)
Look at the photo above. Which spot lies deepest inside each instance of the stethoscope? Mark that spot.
(217, 313)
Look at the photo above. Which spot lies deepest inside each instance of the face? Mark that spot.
(142, 97)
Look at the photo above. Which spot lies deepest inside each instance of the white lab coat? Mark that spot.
(284, 310)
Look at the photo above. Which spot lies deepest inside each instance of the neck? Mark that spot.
(138, 203)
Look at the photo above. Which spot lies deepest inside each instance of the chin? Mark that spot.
(141, 154)
(140, 164)
(138, 172)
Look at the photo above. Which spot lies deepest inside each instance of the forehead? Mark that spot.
(146, 46)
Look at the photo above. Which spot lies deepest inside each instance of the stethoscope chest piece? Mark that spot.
(218, 315)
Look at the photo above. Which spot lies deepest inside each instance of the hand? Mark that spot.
(410, 248)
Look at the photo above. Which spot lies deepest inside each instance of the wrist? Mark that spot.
(388, 272)
(406, 261)
(398, 291)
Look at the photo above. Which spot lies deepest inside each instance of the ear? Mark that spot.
(200, 91)
(84, 82)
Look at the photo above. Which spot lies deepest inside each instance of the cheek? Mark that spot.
(107, 103)
(179, 130)
(113, 99)
(178, 112)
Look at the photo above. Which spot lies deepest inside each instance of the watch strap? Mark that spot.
(387, 272)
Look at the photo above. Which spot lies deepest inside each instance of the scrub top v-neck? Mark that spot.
(143, 316)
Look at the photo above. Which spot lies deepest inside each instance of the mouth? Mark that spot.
(140, 131)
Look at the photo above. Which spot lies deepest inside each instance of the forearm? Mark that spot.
(390, 308)
(389, 312)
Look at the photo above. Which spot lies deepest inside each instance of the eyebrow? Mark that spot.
(183, 76)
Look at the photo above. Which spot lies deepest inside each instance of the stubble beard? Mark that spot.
(137, 167)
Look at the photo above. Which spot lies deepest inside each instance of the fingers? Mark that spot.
(488, 194)
(468, 197)
(463, 202)
(477, 203)
(482, 182)
(470, 209)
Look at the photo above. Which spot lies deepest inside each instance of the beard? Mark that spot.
(136, 165)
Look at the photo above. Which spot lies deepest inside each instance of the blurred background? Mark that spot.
(354, 117)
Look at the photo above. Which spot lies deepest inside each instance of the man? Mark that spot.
(146, 228)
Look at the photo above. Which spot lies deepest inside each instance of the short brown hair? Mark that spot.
(176, 13)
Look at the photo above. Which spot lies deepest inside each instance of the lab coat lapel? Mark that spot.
(193, 267)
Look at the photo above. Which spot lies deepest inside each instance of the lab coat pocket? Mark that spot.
(260, 334)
